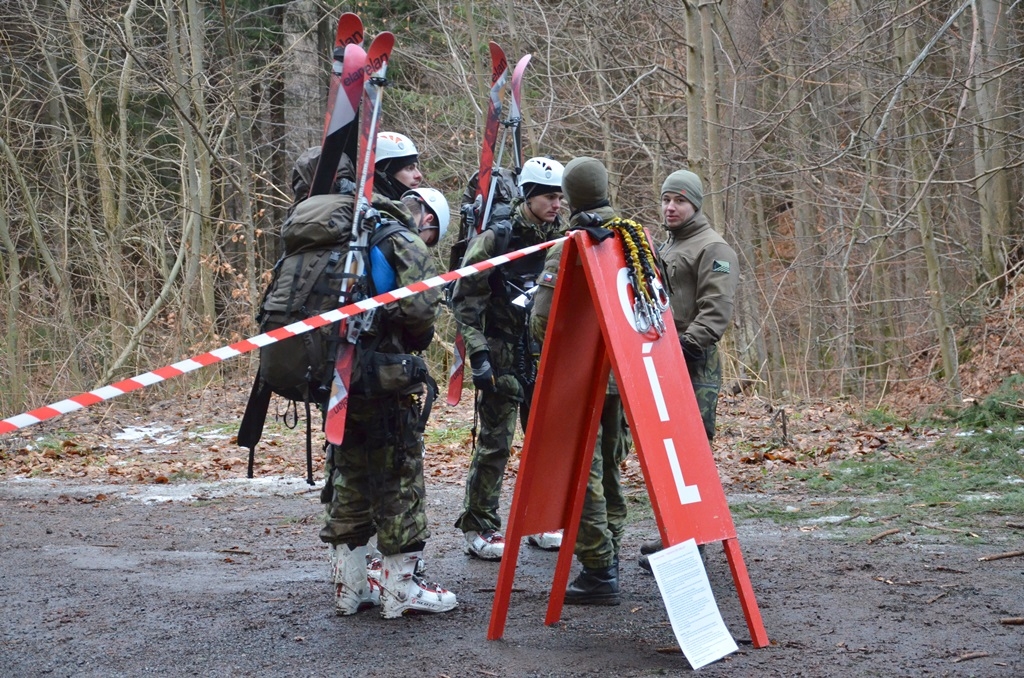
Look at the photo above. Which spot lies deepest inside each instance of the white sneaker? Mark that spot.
(489, 545)
(354, 591)
(402, 591)
(549, 541)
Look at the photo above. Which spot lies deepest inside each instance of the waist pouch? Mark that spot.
(383, 374)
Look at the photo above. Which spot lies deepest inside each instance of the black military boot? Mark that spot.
(645, 563)
(594, 587)
(652, 546)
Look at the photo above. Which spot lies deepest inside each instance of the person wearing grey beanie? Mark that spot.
(703, 272)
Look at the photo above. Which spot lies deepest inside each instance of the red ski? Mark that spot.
(339, 115)
(372, 84)
(485, 183)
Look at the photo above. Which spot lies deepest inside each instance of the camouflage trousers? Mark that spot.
(706, 378)
(377, 477)
(497, 412)
(604, 508)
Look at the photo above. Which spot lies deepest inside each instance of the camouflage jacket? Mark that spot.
(703, 272)
(482, 303)
(407, 324)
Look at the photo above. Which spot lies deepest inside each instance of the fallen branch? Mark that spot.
(1000, 556)
(235, 550)
(1012, 621)
(1019, 526)
(883, 535)
(945, 529)
(971, 655)
(943, 568)
(932, 600)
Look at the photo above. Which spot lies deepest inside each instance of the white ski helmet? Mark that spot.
(542, 172)
(438, 204)
(394, 145)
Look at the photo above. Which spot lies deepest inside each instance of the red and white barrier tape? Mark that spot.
(225, 352)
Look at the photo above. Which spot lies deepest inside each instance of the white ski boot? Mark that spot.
(354, 589)
(403, 591)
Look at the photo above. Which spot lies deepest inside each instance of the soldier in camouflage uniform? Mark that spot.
(494, 330)
(375, 476)
(703, 272)
(603, 520)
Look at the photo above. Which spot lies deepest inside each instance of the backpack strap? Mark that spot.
(387, 229)
(309, 445)
(251, 429)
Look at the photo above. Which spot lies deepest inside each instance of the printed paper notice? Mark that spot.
(691, 606)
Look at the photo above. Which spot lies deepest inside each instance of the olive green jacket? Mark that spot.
(703, 272)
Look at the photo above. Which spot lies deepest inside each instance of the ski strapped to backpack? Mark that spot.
(342, 104)
(364, 222)
(491, 185)
(308, 279)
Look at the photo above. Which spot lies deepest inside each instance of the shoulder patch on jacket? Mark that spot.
(547, 278)
(719, 266)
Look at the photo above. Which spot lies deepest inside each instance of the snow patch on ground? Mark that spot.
(35, 489)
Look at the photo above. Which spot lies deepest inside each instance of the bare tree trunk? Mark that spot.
(806, 260)
(107, 178)
(10, 275)
(918, 154)
(303, 78)
(991, 87)
(195, 32)
(716, 198)
(695, 154)
(743, 211)
(243, 155)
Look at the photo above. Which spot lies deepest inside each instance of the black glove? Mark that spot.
(483, 374)
(691, 350)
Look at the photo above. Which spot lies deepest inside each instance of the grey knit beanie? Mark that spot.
(585, 184)
(686, 184)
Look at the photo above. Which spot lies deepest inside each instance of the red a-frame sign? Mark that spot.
(591, 330)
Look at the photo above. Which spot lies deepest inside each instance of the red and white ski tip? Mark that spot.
(246, 345)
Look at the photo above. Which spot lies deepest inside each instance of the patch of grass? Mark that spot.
(960, 481)
(446, 436)
(1003, 407)
(53, 441)
(638, 507)
(880, 417)
(182, 475)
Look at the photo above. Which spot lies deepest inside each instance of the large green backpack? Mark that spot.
(307, 281)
